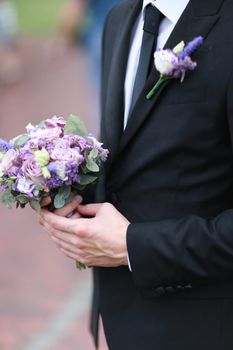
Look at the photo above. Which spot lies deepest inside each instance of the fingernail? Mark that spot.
(78, 198)
(68, 216)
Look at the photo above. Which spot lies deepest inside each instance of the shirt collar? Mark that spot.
(169, 8)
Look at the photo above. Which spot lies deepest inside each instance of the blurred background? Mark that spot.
(49, 65)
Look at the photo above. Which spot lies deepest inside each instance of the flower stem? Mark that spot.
(80, 266)
(156, 87)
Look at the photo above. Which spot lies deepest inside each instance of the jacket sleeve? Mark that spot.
(183, 252)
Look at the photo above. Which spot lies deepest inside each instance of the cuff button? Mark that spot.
(160, 291)
(179, 287)
(188, 286)
(170, 290)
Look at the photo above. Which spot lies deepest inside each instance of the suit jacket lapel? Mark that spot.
(197, 19)
(114, 108)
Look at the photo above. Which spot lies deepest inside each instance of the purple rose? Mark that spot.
(48, 134)
(55, 122)
(78, 142)
(31, 170)
(37, 134)
(72, 140)
(63, 152)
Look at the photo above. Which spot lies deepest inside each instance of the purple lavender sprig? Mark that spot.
(192, 46)
(5, 146)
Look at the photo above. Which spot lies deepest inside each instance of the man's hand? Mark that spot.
(68, 211)
(96, 239)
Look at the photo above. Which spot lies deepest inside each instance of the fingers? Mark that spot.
(89, 210)
(45, 201)
(72, 256)
(69, 209)
(78, 227)
(56, 222)
(70, 239)
(75, 215)
(70, 250)
(66, 245)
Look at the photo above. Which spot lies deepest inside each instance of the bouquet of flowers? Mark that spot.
(56, 158)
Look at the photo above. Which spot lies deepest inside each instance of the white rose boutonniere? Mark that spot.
(174, 63)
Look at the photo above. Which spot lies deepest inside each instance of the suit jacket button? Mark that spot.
(170, 290)
(160, 291)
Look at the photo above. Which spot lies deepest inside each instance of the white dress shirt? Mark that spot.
(172, 10)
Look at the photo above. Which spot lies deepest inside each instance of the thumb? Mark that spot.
(89, 210)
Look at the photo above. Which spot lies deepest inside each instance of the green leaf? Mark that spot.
(64, 191)
(91, 160)
(93, 154)
(22, 199)
(92, 166)
(84, 169)
(87, 179)
(58, 201)
(69, 198)
(41, 125)
(78, 187)
(62, 197)
(8, 182)
(36, 192)
(21, 140)
(74, 125)
(35, 205)
(7, 199)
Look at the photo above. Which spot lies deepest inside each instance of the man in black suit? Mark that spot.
(169, 182)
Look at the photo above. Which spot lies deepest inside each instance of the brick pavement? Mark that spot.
(38, 305)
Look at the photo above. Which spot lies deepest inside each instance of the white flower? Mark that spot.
(179, 48)
(25, 185)
(7, 161)
(165, 61)
(30, 128)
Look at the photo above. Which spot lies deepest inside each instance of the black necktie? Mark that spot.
(151, 27)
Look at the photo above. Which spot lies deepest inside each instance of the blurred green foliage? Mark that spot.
(38, 17)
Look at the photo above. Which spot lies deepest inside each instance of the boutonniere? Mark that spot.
(174, 63)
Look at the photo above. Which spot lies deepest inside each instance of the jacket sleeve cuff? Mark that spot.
(139, 258)
(146, 262)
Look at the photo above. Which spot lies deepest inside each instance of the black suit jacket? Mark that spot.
(171, 174)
